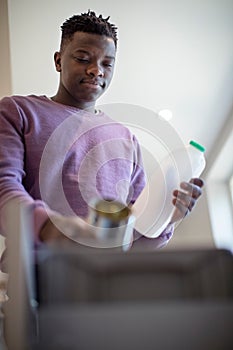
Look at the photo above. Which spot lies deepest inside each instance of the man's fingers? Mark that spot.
(197, 181)
(181, 210)
(191, 189)
(184, 200)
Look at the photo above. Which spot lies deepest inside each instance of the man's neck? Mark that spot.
(89, 107)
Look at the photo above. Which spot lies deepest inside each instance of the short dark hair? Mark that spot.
(88, 23)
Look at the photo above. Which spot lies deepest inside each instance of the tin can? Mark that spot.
(113, 222)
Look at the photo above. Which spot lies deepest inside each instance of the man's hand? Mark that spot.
(61, 229)
(186, 198)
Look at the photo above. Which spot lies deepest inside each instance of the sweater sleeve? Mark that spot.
(12, 158)
(142, 242)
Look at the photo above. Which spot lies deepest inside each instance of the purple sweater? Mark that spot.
(57, 157)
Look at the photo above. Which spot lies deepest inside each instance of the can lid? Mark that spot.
(197, 145)
(113, 210)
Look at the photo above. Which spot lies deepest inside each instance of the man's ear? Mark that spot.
(57, 61)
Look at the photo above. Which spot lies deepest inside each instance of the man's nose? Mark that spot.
(95, 70)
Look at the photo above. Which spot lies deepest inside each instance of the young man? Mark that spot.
(50, 146)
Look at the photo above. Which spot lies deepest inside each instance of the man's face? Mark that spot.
(86, 67)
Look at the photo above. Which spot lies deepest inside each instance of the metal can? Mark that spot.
(113, 222)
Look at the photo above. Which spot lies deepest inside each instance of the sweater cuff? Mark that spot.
(154, 243)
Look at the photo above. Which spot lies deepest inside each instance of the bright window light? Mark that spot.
(231, 189)
(219, 187)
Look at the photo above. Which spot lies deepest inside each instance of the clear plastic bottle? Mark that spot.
(153, 209)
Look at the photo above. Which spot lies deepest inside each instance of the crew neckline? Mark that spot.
(96, 112)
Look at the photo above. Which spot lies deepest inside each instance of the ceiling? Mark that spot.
(175, 54)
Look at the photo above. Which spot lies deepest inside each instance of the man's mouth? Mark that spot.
(93, 83)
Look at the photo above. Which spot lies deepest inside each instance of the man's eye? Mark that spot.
(80, 59)
(106, 64)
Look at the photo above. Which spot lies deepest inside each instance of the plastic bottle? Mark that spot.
(153, 209)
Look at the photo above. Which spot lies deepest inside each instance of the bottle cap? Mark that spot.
(197, 145)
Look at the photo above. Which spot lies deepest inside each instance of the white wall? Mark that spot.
(5, 66)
